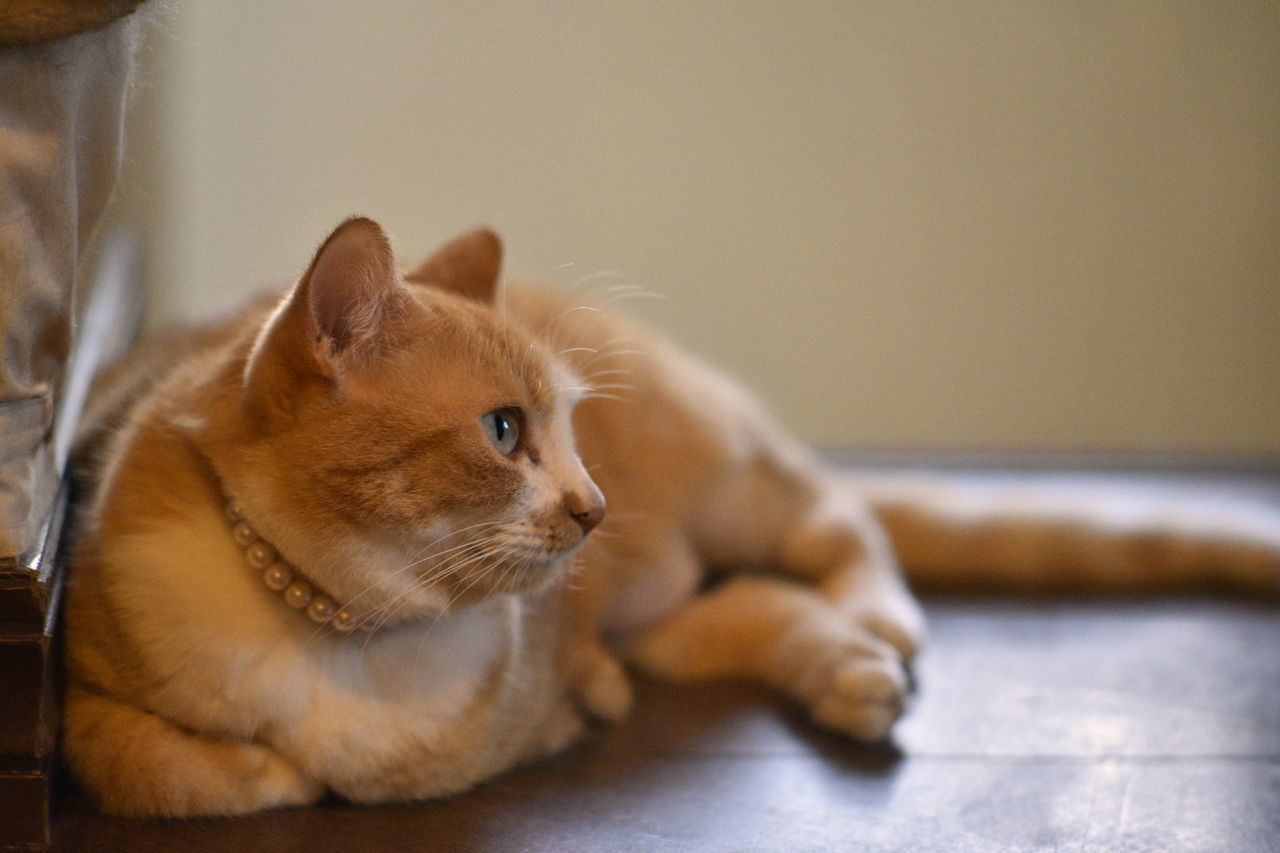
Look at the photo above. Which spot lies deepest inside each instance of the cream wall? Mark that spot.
(955, 225)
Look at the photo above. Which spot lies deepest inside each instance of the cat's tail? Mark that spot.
(1081, 534)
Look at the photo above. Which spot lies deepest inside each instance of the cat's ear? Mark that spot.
(351, 296)
(467, 265)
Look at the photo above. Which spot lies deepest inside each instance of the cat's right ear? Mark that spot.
(467, 265)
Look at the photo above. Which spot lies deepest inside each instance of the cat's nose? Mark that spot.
(587, 510)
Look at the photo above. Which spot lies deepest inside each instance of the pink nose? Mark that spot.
(588, 511)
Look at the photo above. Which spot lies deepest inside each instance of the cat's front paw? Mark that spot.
(901, 625)
(858, 686)
(862, 697)
(883, 606)
(565, 727)
(599, 683)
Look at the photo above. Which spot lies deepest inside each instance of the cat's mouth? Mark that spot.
(536, 555)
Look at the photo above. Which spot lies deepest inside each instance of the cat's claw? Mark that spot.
(904, 631)
(889, 612)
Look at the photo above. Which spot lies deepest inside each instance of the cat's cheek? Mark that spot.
(523, 506)
(436, 531)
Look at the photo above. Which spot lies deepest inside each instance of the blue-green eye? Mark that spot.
(502, 426)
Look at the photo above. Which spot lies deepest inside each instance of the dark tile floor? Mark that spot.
(1085, 726)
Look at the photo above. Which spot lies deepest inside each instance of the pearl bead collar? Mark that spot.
(281, 576)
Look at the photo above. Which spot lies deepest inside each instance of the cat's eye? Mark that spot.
(502, 426)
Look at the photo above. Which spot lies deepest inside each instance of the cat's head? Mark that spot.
(403, 436)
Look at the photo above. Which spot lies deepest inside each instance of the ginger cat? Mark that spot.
(356, 540)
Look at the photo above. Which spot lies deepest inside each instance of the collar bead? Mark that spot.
(280, 576)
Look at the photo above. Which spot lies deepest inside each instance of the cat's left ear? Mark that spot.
(346, 312)
(467, 265)
(352, 295)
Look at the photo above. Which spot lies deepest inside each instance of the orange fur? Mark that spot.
(346, 419)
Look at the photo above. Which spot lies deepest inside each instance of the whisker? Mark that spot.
(608, 386)
(387, 610)
(481, 575)
(421, 556)
(634, 293)
(617, 371)
(597, 275)
(378, 615)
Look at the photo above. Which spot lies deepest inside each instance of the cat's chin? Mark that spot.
(530, 575)
(538, 578)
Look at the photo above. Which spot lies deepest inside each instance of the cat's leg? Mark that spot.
(597, 680)
(835, 542)
(137, 763)
(782, 512)
(791, 637)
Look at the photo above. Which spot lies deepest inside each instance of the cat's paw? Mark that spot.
(282, 784)
(862, 697)
(600, 684)
(565, 728)
(886, 609)
(856, 685)
(900, 626)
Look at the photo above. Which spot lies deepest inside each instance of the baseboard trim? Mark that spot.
(1155, 462)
